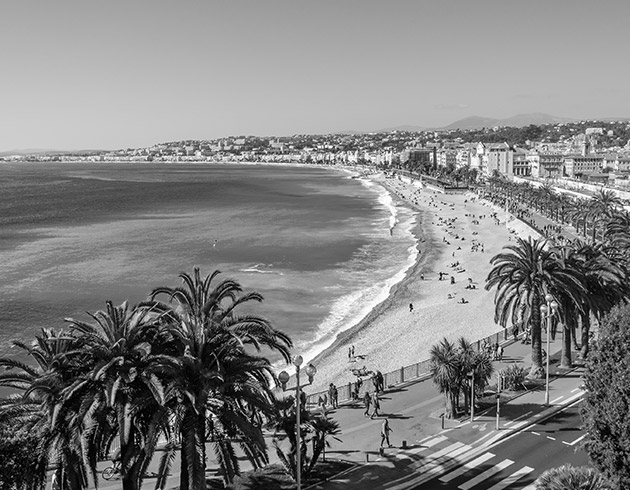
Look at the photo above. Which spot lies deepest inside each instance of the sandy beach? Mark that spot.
(457, 237)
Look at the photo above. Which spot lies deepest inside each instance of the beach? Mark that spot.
(457, 236)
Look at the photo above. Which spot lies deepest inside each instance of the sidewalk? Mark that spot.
(413, 411)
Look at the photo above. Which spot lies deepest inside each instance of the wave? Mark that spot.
(261, 269)
(351, 308)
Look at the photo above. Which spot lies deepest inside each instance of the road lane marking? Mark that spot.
(535, 433)
(486, 474)
(517, 418)
(468, 466)
(577, 440)
(517, 475)
(575, 389)
(556, 400)
(551, 438)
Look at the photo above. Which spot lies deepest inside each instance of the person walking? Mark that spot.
(381, 381)
(376, 403)
(366, 402)
(410, 307)
(385, 430)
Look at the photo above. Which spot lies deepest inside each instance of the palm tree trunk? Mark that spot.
(586, 328)
(565, 361)
(537, 370)
(193, 457)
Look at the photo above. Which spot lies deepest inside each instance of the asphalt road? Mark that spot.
(516, 462)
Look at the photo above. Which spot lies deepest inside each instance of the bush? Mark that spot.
(514, 377)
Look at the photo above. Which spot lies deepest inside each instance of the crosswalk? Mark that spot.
(460, 465)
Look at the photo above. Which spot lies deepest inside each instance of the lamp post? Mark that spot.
(472, 394)
(283, 377)
(548, 310)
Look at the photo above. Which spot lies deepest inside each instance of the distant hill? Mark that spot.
(519, 120)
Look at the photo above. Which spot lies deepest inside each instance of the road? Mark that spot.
(517, 461)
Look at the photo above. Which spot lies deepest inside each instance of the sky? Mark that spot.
(87, 74)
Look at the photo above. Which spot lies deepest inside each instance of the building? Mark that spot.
(578, 165)
(546, 165)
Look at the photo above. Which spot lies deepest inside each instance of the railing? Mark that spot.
(414, 372)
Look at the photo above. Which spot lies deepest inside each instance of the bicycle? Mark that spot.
(110, 471)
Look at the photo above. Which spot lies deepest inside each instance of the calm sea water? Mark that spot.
(321, 247)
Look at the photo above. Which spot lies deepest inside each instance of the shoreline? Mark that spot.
(390, 335)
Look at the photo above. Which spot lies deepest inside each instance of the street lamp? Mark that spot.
(283, 377)
(472, 393)
(548, 310)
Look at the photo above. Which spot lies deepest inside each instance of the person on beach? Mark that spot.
(349, 353)
(353, 352)
(410, 307)
(385, 430)
(367, 399)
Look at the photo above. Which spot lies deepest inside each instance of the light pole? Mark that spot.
(283, 377)
(548, 310)
(472, 394)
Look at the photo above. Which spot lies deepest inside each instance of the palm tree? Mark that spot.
(568, 477)
(219, 377)
(523, 276)
(323, 429)
(605, 281)
(445, 370)
(36, 407)
(123, 389)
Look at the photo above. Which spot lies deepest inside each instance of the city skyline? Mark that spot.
(82, 75)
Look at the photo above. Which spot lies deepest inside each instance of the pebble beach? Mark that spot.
(458, 235)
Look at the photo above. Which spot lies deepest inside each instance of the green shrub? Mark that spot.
(514, 377)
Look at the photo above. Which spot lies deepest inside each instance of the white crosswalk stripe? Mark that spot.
(486, 474)
(425, 445)
(437, 455)
(517, 475)
(466, 467)
(531, 486)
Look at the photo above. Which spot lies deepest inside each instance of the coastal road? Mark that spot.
(516, 462)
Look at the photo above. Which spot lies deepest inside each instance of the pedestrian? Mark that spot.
(515, 331)
(376, 403)
(335, 397)
(366, 402)
(381, 381)
(331, 395)
(353, 352)
(375, 382)
(496, 351)
(500, 353)
(385, 430)
(410, 307)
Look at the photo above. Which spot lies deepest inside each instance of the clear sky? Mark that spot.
(89, 74)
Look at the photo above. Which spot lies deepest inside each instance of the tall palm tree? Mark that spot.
(36, 406)
(522, 277)
(219, 372)
(605, 281)
(122, 394)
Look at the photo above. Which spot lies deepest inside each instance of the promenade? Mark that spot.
(418, 436)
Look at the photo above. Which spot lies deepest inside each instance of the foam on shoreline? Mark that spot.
(390, 336)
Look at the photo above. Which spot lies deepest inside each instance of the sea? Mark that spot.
(323, 246)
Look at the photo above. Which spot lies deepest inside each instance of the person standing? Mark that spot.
(410, 307)
(385, 430)
(366, 402)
